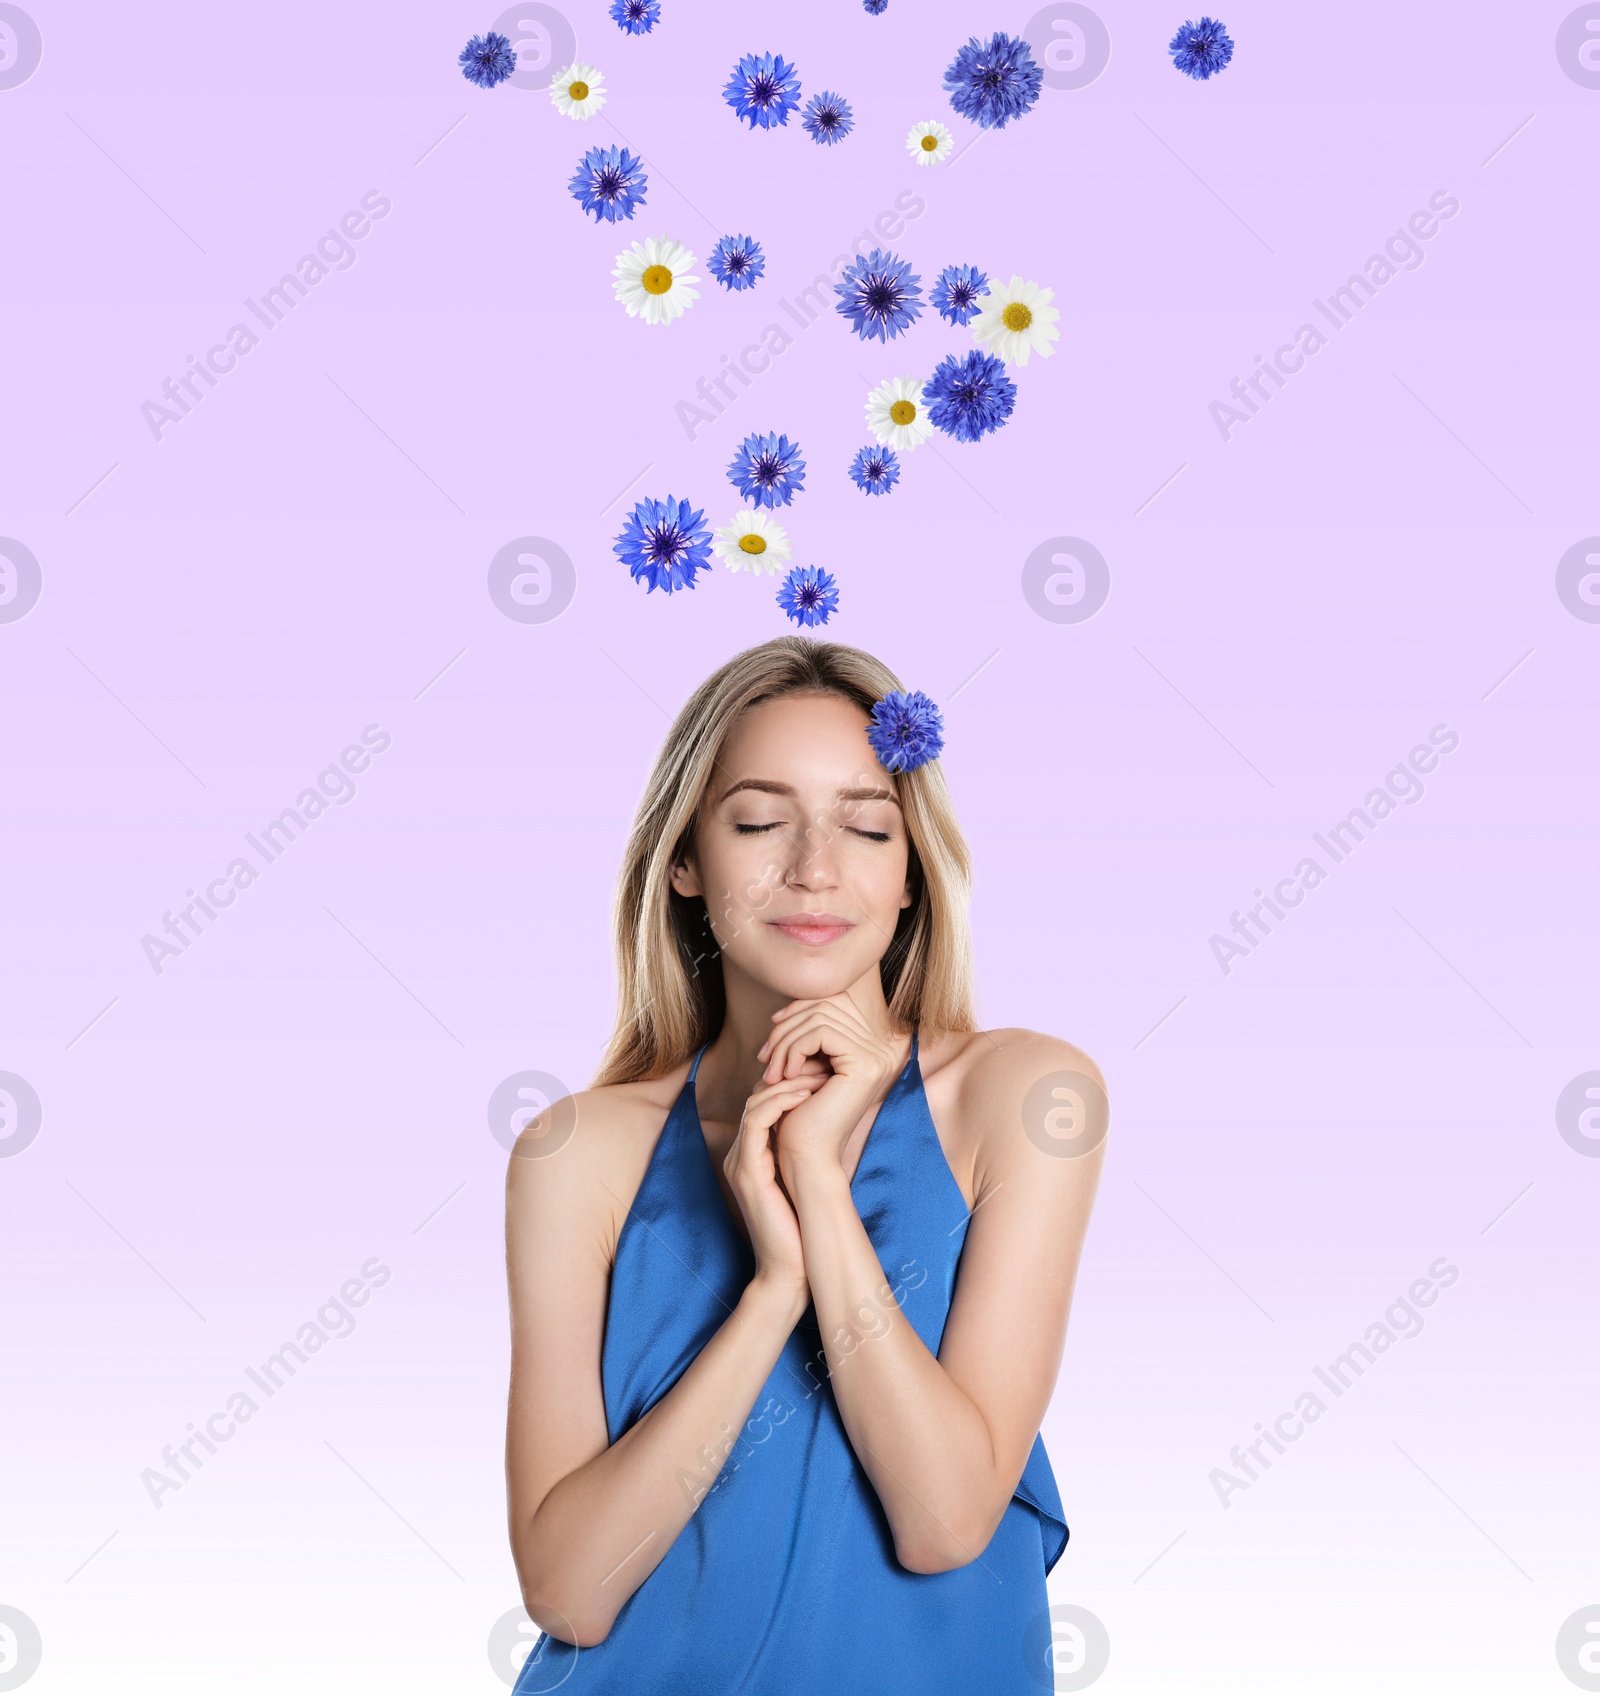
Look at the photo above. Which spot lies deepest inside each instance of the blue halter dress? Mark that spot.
(785, 1578)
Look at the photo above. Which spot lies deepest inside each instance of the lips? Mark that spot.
(812, 929)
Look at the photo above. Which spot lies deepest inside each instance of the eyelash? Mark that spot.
(762, 829)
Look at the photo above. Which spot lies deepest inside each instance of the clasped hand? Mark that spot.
(826, 1040)
(824, 1068)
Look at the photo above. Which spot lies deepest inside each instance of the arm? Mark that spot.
(589, 1523)
(944, 1440)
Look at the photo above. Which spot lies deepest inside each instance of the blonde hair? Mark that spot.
(669, 998)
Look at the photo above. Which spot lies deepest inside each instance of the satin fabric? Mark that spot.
(785, 1578)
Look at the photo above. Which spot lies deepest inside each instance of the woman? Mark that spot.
(789, 1285)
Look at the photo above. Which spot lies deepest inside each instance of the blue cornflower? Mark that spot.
(609, 182)
(737, 261)
(876, 6)
(809, 595)
(879, 295)
(827, 118)
(970, 396)
(487, 59)
(636, 17)
(993, 84)
(875, 470)
(763, 90)
(906, 730)
(955, 295)
(663, 544)
(1201, 50)
(768, 470)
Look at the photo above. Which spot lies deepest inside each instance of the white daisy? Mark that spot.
(578, 91)
(752, 543)
(896, 414)
(653, 279)
(930, 143)
(1016, 321)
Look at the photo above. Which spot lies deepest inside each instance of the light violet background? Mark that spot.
(223, 610)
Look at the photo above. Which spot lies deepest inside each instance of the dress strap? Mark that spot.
(698, 1057)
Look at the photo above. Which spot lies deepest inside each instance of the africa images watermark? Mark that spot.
(188, 924)
(331, 1321)
(333, 252)
(1404, 783)
(812, 303)
(1401, 252)
(1400, 1321)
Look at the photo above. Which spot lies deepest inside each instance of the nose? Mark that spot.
(813, 867)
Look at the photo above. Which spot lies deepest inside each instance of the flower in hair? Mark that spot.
(1201, 49)
(906, 730)
(487, 59)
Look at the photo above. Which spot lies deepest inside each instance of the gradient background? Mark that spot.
(1294, 1142)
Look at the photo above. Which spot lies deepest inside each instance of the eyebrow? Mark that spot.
(767, 786)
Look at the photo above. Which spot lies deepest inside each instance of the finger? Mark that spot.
(761, 1100)
(799, 1005)
(787, 1018)
(824, 1034)
(781, 1044)
(751, 1162)
(840, 1007)
(821, 1037)
(767, 1106)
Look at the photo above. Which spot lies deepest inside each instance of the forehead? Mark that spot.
(809, 742)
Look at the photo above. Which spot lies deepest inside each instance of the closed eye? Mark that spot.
(871, 835)
(756, 829)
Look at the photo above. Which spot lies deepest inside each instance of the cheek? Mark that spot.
(741, 877)
(880, 879)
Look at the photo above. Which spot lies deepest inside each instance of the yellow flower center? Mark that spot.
(930, 144)
(657, 279)
(1016, 316)
(752, 544)
(579, 90)
(902, 412)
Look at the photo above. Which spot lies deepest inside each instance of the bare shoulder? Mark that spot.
(582, 1160)
(1008, 1095)
(1003, 1062)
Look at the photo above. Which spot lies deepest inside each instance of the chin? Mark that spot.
(807, 979)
